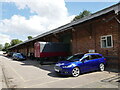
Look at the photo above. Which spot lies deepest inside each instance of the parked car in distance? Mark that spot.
(10, 54)
(80, 63)
(18, 56)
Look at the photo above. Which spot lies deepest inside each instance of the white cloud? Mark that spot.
(4, 38)
(50, 14)
(35, 25)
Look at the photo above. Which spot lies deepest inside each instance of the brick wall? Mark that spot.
(87, 36)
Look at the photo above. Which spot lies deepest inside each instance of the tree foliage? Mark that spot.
(82, 14)
(1, 46)
(14, 42)
(6, 46)
(29, 37)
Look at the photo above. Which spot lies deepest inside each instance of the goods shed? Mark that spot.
(99, 32)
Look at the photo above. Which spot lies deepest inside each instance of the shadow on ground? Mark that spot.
(49, 67)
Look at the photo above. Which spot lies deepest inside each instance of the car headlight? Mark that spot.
(68, 66)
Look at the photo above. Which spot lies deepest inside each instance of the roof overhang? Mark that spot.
(115, 8)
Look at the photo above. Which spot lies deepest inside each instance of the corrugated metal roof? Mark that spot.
(115, 8)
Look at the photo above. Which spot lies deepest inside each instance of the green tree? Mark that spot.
(1, 46)
(29, 37)
(82, 14)
(15, 41)
(6, 46)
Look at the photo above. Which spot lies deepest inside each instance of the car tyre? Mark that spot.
(17, 59)
(102, 67)
(75, 72)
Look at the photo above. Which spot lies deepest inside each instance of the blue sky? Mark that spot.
(10, 9)
(77, 7)
(74, 8)
(19, 20)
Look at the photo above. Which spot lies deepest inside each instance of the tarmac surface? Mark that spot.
(0, 77)
(29, 74)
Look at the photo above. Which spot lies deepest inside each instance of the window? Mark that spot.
(75, 57)
(98, 56)
(106, 41)
(95, 56)
(86, 57)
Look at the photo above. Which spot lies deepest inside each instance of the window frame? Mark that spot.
(106, 41)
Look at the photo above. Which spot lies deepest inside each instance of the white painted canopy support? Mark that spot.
(117, 20)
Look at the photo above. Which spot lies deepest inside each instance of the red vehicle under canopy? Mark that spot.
(50, 49)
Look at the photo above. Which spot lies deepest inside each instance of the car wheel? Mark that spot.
(102, 67)
(17, 59)
(75, 72)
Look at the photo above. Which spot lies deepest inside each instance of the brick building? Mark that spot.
(99, 32)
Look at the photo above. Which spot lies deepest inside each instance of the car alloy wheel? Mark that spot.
(102, 67)
(75, 72)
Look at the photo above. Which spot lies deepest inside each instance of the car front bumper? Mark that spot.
(63, 71)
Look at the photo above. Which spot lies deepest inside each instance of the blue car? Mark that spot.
(18, 56)
(80, 63)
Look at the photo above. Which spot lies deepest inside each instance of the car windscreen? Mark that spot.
(18, 54)
(75, 57)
